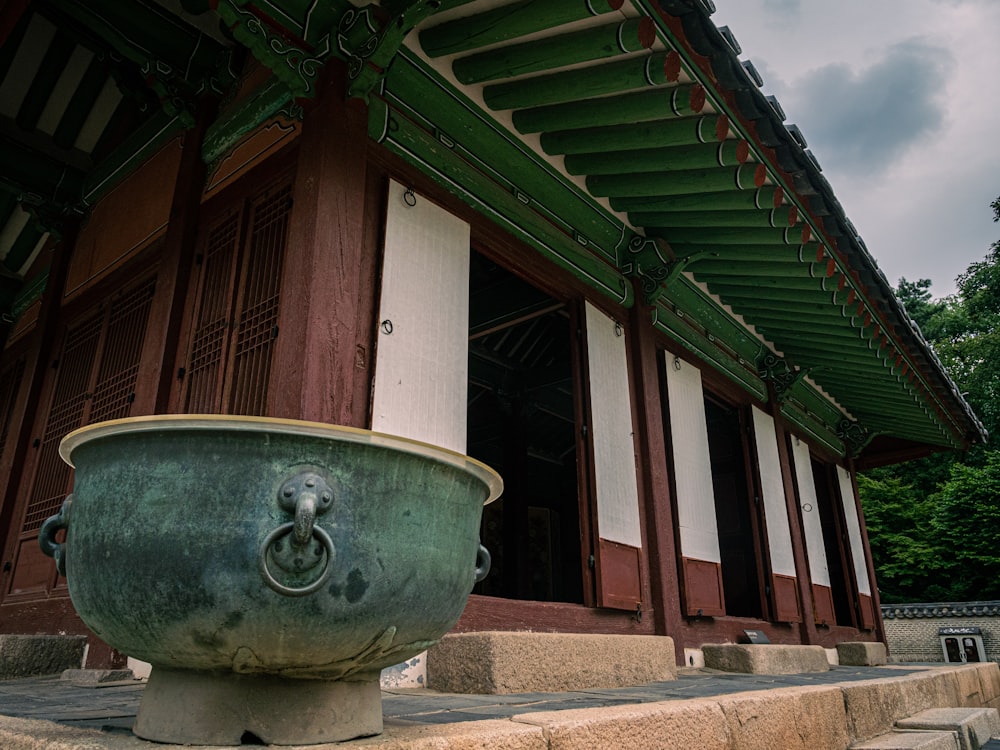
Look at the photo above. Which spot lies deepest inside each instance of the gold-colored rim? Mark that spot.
(158, 422)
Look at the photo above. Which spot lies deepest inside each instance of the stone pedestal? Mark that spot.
(198, 708)
(765, 659)
(505, 662)
(861, 654)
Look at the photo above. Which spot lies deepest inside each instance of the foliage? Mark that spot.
(934, 524)
(966, 524)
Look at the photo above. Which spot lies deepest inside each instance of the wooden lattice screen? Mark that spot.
(228, 365)
(95, 379)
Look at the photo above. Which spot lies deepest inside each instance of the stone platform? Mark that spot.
(702, 708)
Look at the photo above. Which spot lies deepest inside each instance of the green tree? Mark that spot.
(966, 526)
(903, 545)
(934, 523)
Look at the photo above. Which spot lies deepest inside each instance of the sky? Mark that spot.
(899, 100)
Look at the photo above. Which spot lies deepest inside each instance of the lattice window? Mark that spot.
(258, 314)
(69, 402)
(95, 381)
(114, 390)
(235, 317)
(206, 358)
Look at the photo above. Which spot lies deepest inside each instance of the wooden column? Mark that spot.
(159, 351)
(654, 489)
(322, 361)
(807, 628)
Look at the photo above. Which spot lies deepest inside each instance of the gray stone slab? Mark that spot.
(92, 678)
(974, 726)
(910, 741)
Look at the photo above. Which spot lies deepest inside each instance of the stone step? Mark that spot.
(910, 741)
(974, 726)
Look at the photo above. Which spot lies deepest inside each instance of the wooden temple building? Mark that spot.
(570, 238)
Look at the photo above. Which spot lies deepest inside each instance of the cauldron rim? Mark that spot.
(273, 425)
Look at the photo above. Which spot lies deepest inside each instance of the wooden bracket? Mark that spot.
(370, 39)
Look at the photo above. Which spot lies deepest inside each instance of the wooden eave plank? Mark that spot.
(601, 79)
(728, 153)
(557, 51)
(62, 91)
(505, 23)
(678, 327)
(79, 105)
(458, 122)
(662, 102)
(44, 82)
(717, 322)
(709, 268)
(766, 197)
(684, 131)
(448, 168)
(25, 65)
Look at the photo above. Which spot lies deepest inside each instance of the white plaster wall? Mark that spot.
(819, 571)
(611, 432)
(699, 530)
(779, 533)
(422, 359)
(854, 531)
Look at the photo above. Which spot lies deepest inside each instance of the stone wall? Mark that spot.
(911, 630)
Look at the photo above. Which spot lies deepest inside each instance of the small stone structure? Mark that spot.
(31, 655)
(765, 658)
(519, 662)
(911, 630)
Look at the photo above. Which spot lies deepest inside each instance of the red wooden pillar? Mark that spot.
(655, 481)
(322, 361)
(807, 628)
(156, 367)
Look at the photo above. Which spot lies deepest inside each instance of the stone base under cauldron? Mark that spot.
(203, 708)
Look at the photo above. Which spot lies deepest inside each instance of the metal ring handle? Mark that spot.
(287, 528)
(47, 535)
(483, 562)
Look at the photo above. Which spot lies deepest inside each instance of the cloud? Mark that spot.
(783, 6)
(870, 118)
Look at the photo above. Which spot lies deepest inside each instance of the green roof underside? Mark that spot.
(622, 140)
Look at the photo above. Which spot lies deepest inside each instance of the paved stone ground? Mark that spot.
(112, 706)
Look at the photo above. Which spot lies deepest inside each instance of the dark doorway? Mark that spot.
(522, 422)
(831, 519)
(734, 510)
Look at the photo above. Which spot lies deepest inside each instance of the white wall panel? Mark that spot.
(812, 526)
(699, 530)
(854, 530)
(611, 431)
(779, 533)
(421, 369)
